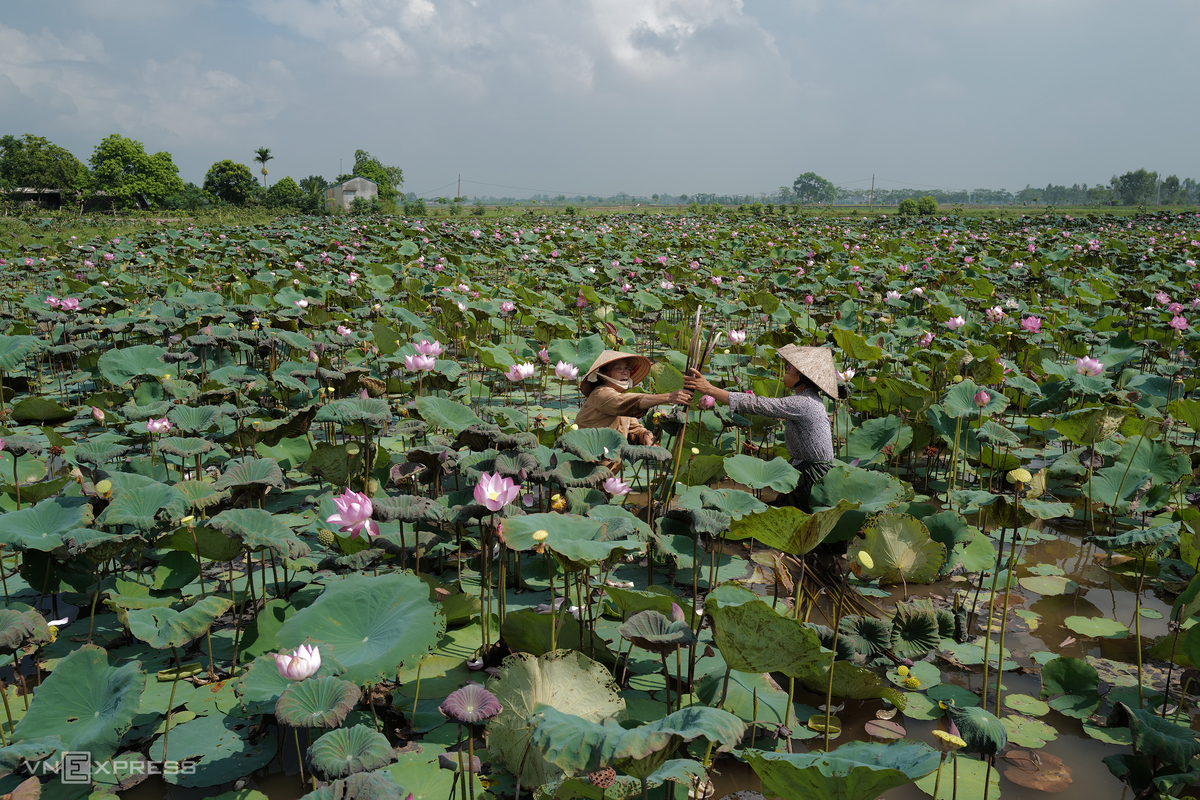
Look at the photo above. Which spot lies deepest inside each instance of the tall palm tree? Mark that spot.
(263, 155)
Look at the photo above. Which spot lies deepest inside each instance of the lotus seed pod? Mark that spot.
(911, 682)
(104, 487)
(326, 537)
(603, 778)
(540, 536)
(1019, 475)
(902, 671)
(865, 559)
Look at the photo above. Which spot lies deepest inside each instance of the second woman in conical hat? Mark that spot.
(611, 404)
(809, 438)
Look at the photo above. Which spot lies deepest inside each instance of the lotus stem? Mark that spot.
(987, 642)
(416, 694)
(95, 599)
(1137, 633)
(299, 756)
(471, 762)
(171, 702)
(954, 763)
(666, 680)
(937, 781)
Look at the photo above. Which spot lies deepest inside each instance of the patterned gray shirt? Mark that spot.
(806, 429)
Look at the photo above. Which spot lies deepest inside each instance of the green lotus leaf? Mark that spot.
(336, 464)
(260, 684)
(874, 491)
(1091, 425)
(41, 526)
(576, 540)
(317, 702)
(361, 786)
(1049, 585)
(17, 755)
(185, 447)
(193, 419)
(751, 695)
(258, 472)
(755, 473)
(983, 731)
(15, 349)
(371, 412)
(658, 598)
(257, 529)
(1156, 737)
(575, 474)
(576, 745)
(21, 628)
(1139, 542)
(527, 631)
(972, 775)
(1097, 627)
(631, 453)
(915, 630)
(656, 632)
(753, 637)
(851, 682)
(40, 409)
(1071, 686)
(135, 412)
(1025, 704)
(86, 702)
(374, 625)
(565, 680)
(214, 545)
(164, 627)
(201, 494)
(900, 550)
(1159, 459)
(870, 441)
(98, 546)
(216, 746)
(734, 502)
(960, 401)
(1028, 732)
(405, 508)
(142, 506)
(853, 771)
(789, 529)
(867, 635)
(98, 453)
(348, 751)
(442, 413)
(1116, 486)
(119, 367)
(592, 444)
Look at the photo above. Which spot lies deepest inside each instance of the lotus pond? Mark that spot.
(348, 443)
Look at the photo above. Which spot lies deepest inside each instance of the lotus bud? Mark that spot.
(677, 614)
(982, 398)
(522, 474)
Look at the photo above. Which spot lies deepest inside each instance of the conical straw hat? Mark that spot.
(814, 363)
(641, 365)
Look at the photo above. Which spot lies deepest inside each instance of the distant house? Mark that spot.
(341, 195)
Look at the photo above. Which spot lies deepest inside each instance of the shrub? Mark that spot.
(927, 205)
(909, 207)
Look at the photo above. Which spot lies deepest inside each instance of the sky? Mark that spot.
(597, 97)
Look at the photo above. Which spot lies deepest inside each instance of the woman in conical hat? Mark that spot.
(609, 402)
(809, 438)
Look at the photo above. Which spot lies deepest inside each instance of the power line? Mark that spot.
(526, 188)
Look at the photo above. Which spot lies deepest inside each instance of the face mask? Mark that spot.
(625, 384)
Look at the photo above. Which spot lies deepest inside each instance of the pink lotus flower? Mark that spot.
(847, 375)
(1178, 323)
(891, 296)
(1175, 308)
(566, 371)
(707, 402)
(1089, 366)
(158, 425)
(1163, 298)
(425, 348)
(495, 492)
(342, 330)
(544, 356)
(927, 339)
(995, 314)
(736, 337)
(303, 662)
(352, 277)
(353, 514)
(52, 301)
(301, 303)
(519, 372)
(97, 414)
(919, 291)
(716, 280)
(667, 286)
(70, 304)
(982, 398)
(507, 307)
(1032, 324)
(808, 300)
(419, 363)
(616, 487)
(954, 323)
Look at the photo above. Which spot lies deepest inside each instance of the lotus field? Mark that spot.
(301, 510)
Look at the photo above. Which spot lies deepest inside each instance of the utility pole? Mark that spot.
(459, 185)
(871, 202)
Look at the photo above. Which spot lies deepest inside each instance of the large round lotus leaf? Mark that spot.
(317, 702)
(1027, 731)
(734, 502)
(40, 409)
(915, 631)
(41, 526)
(972, 772)
(186, 447)
(1116, 486)
(142, 505)
(1159, 459)
(119, 367)
(371, 411)
(15, 349)
(874, 491)
(576, 745)
(260, 530)
(566, 680)
(362, 786)
(789, 529)
(165, 627)
(1048, 585)
(442, 413)
(982, 730)
(657, 633)
(1169, 742)
(193, 419)
(374, 625)
(405, 508)
(853, 771)
(21, 628)
(753, 637)
(578, 541)
(775, 474)
(960, 401)
(141, 413)
(260, 471)
(218, 747)
(213, 544)
(98, 453)
(868, 636)
(591, 444)
(1091, 425)
(871, 441)
(86, 702)
(1097, 627)
(201, 494)
(900, 550)
(348, 751)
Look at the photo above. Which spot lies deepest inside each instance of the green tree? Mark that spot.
(1137, 188)
(130, 177)
(34, 162)
(231, 182)
(1171, 192)
(190, 198)
(285, 193)
(314, 187)
(908, 207)
(262, 155)
(812, 188)
(927, 205)
(389, 179)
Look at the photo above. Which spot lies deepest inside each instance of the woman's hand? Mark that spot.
(680, 397)
(643, 437)
(697, 383)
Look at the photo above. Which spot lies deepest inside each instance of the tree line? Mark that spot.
(121, 175)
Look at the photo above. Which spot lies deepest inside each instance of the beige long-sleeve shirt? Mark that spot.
(607, 407)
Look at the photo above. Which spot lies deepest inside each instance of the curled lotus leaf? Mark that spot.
(753, 637)
(349, 751)
(260, 530)
(982, 730)
(868, 636)
(652, 631)
(195, 419)
(165, 627)
(142, 506)
(317, 702)
(21, 628)
(371, 412)
(915, 631)
(187, 447)
(470, 704)
(592, 444)
(257, 471)
(201, 494)
(853, 771)
(98, 453)
(377, 785)
(405, 508)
